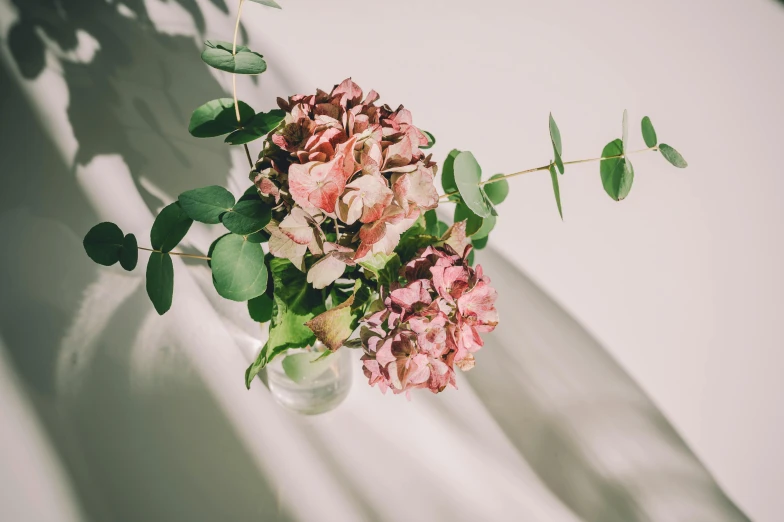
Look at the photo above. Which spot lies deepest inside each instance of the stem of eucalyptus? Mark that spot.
(546, 167)
(234, 78)
(192, 256)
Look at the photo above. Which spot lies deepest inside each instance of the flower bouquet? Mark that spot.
(337, 242)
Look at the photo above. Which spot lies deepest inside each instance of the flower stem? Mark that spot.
(546, 167)
(234, 78)
(192, 256)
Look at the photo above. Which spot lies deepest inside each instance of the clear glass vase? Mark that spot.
(303, 381)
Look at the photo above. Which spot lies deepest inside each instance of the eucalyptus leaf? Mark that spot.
(488, 224)
(238, 269)
(160, 281)
(648, 132)
(218, 117)
(261, 124)
(479, 243)
(206, 204)
(555, 139)
(247, 216)
(497, 191)
(218, 54)
(258, 237)
(305, 367)
(467, 176)
(448, 172)
(473, 222)
(556, 189)
(169, 227)
(431, 222)
(625, 132)
(673, 156)
(260, 308)
(103, 243)
(617, 173)
(268, 3)
(129, 254)
(431, 140)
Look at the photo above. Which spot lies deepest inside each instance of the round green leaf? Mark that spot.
(129, 254)
(498, 190)
(160, 281)
(238, 269)
(648, 132)
(212, 249)
(305, 367)
(448, 172)
(247, 216)
(261, 124)
(467, 176)
(260, 308)
(218, 117)
(103, 243)
(258, 237)
(169, 227)
(473, 222)
(488, 224)
(431, 140)
(673, 156)
(218, 54)
(479, 243)
(268, 3)
(617, 173)
(206, 204)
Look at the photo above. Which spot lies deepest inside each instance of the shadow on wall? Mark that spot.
(167, 452)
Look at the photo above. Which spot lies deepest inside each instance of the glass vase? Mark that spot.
(308, 382)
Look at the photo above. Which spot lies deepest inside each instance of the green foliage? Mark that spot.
(468, 173)
(295, 302)
(218, 54)
(617, 173)
(218, 117)
(305, 367)
(261, 124)
(556, 189)
(385, 268)
(129, 254)
(648, 132)
(448, 172)
(258, 237)
(238, 269)
(207, 204)
(473, 222)
(673, 156)
(625, 132)
(247, 216)
(268, 3)
(412, 240)
(260, 308)
(431, 140)
(256, 366)
(497, 190)
(555, 139)
(160, 281)
(170, 226)
(479, 244)
(103, 243)
(488, 224)
(431, 222)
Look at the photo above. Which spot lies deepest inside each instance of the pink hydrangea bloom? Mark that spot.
(430, 325)
(350, 165)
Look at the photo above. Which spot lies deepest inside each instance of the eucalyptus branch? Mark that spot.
(234, 78)
(547, 167)
(192, 256)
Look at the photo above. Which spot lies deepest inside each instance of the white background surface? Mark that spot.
(681, 282)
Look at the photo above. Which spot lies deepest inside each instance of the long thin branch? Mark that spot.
(192, 256)
(546, 167)
(234, 78)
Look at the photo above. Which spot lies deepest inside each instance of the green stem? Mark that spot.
(234, 78)
(192, 256)
(546, 167)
